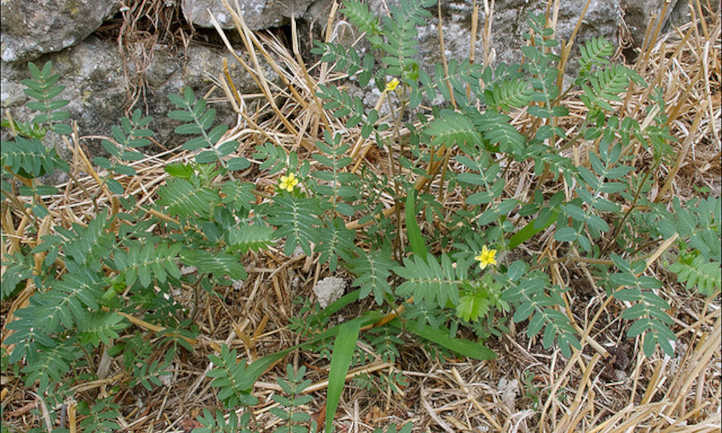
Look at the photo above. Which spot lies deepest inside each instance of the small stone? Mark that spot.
(166, 379)
(185, 270)
(328, 290)
(508, 390)
(620, 375)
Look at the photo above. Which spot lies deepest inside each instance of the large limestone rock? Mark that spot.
(603, 18)
(29, 29)
(258, 14)
(639, 13)
(95, 79)
(93, 75)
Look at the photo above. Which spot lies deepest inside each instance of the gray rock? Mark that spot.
(603, 18)
(508, 390)
(92, 73)
(29, 29)
(317, 12)
(95, 79)
(508, 27)
(328, 290)
(639, 13)
(258, 14)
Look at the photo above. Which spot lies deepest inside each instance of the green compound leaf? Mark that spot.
(606, 85)
(473, 306)
(102, 326)
(71, 300)
(337, 242)
(19, 269)
(461, 75)
(401, 46)
(186, 199)
(249, 237)
(100, 418)
(534, 299)
(218, 264)
(373, 270)
(452, 128)
(296, 221)
(703, 276)
(497, 129)
(43, 87)
(346, 59)
(50, 365)
(429, 281)
(29, 158)
(595, 52)
(359, 15)
(148, 262)
(648, 312)
(200, 120)
(233, 379)
(238, 194)
(503, 95)
(218, 424)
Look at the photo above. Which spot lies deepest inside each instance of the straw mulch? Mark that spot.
(608, 387)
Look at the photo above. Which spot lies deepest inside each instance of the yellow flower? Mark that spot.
(487, 257)
(288, 182)
(391, 85)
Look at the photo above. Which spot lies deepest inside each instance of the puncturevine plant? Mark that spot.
(460, 269)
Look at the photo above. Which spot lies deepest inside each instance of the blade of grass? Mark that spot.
(441, 337)
(336, 306)
(416, 241)
(260, 366)
(343, 349)
(532, 228)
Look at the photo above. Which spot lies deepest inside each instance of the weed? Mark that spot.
(430, 277)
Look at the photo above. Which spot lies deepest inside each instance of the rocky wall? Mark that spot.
(98, 83)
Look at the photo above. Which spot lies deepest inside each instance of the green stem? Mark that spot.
(619, 225)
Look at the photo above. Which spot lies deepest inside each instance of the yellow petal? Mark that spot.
(391, 85)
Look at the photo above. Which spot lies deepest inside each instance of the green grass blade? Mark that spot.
(259, 366)
(343, 349)
(416, 241)
(532, 228)
(336, 306)
(441, 337)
